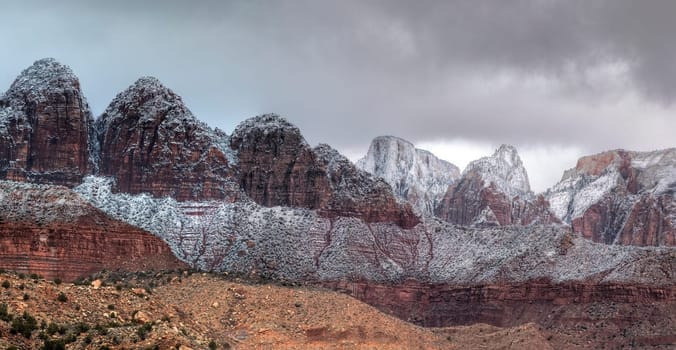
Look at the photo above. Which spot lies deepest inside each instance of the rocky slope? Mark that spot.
(45, 124)
(620, 197)
(414, 174)
(278, 168)
(494, 191)
(51, 231)
(151, 143)
(181, 311)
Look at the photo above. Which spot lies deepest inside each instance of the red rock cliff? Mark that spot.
(51, 231)
(45, 125)
(278, 167)
(150, 142)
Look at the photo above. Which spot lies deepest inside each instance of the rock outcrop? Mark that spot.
(620, 197)
(151, 142)
(45, 126)
(415, 175)
(494, 191)
(53, 232)
(278, 167)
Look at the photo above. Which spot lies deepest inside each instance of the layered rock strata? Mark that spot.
(45, 126)
(52, 232)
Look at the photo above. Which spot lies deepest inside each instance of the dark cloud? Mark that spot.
(593, 74)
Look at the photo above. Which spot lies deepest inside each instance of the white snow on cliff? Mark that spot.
(414, 174)
(503, 169)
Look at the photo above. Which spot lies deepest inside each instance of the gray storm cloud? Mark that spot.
(592, 74)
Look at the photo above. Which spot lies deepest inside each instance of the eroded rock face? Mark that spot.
(51, 231)
(415, 175)
(620, 197)
(278, 167)
(494, 191)
(45, 126)
(150, 142)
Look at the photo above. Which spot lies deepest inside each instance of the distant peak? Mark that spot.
(509, 154)
(506, 149)
(389, 138)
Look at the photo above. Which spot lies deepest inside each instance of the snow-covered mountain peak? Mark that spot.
(146, 100)
(504, 170)
(414, 174)
(37, 82)
(509, 154)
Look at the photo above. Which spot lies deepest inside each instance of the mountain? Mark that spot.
(150, 142)
(45, 126)
(620, 197)
(415, 175)
(51, 231)
(494, 191)
(278, 167)
(263, 204)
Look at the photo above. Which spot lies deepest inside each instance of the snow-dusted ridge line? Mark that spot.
(291, 244)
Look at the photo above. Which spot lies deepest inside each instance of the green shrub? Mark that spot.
(58, 344)
(52, 328)
(62, 297)
(24, 325)
(5, 284)
(57, 281)
(213, 345)
(144, 330)
(4, 314)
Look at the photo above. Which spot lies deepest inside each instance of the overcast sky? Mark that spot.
(557, 79)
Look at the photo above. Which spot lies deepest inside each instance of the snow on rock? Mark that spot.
(45, 125)
(300, 245)
(494, 191)
(620, 197)
(151, 143)
(278, 167)
(414, 174)
(504, 170)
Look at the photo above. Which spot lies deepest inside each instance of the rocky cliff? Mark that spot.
(45, 124)
(620, 197)
(151, 143)
(494, 191)
(53, 232)
(278, 167)
(415, 175)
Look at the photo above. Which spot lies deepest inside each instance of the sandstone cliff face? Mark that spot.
(620, 197)
(494, 191)
(45, 124)
(150, 142)
(51, 231)
(278, 167)
(415, 175)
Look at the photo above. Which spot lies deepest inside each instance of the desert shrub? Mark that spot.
(57, 281)
(144, 330)
(62, 297)
(6, 284)
(24, 325)
(4, 313)
(57, 344)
